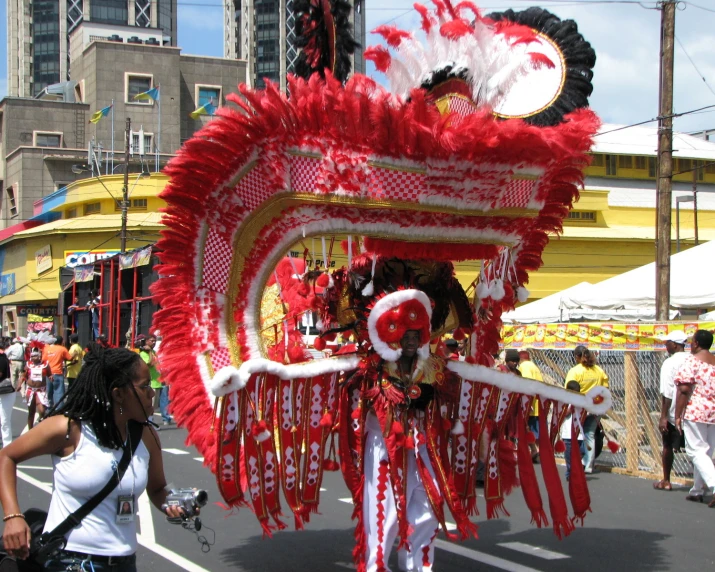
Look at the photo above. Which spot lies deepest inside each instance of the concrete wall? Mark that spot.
(199, 70)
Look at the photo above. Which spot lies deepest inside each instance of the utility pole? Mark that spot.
(125, 188)
(696, 172)
(665, 162)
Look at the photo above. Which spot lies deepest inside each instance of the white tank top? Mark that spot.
(81, 475)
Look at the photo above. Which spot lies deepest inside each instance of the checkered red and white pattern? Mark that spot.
(461, 106)
(252, 189)
(517, 193)
(396, 184)
(220, 358)
(217, 262)
(303, 173)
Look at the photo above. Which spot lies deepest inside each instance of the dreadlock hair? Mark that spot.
(89, 398)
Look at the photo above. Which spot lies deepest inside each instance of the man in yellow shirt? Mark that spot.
(530, 370)
(588, 375)
(75, 364)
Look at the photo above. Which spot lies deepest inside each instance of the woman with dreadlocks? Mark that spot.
(87, 433)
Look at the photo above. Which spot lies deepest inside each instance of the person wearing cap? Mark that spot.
(675, 346)
(16, 354)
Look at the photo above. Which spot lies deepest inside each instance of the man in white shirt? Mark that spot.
(16, 354)
(675, 346)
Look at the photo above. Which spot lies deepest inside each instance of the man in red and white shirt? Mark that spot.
(695, 412)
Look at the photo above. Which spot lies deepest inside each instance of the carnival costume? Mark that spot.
(476, 154)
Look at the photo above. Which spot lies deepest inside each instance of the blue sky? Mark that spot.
(625, 37)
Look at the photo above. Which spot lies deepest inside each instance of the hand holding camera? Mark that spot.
(182, 505)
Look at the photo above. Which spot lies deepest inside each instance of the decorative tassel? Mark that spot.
(356, 414)
(458, 428)
(507, 466)
(446, 425)
(319, 344)
(369, 289)
(560, 446)
(323, 280)
(260, 432)
(410, 442)
(527, 476)
(482, 290)
(531, 438)
(397, 428)
(578, 487)
(613, 446)
(330, 465)
(497, 289)
(522, 294)
(327, 419)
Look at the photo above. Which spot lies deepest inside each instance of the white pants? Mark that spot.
(699, 446)
(7, 400)
(380, 515)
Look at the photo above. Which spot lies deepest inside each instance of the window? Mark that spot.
(684, 165)
(611, 168)
(134, 84)
(208, 94)
(597, 161)
(583, 216)
(46, 139)
(698, 166)
(625, 162)
(134, 205)
(641, 163)
(92, 208)
(71, 213)
(109, 12)
(652, 171)
(12, 199)
(710, 168)
(141, 143)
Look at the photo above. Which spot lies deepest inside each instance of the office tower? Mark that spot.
(263, 33)
(38, 34)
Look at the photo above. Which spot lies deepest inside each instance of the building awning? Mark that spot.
(95, 223)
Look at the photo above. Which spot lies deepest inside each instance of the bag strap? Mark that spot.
(72, 521)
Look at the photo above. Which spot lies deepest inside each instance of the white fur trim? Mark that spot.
(517, 384)
(385, 305)
(497, 289)
(369, 289)
(482, 290)
(230, 379)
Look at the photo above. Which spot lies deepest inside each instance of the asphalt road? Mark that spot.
(632, 528)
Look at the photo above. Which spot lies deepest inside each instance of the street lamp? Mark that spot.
(679, 200)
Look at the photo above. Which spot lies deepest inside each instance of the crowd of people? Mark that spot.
(42, 373)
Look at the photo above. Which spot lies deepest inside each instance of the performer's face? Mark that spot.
(410, 342)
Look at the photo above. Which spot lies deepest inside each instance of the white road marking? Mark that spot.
(170, 555)
(348, 500)
(199, 459)
(322, 490)
(35, 467)
(533, 550)
(146, 520)
(347, 565)
(175, 451)
(451, 526)
(482, 557)
(16, 408)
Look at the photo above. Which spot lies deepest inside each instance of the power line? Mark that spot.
(687, 55)
(655, 119)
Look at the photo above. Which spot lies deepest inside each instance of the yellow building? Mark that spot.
(610, 230)
(73, 226)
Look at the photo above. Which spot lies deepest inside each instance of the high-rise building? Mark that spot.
(262, 32)
(38, 34)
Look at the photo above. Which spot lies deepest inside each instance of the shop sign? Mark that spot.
(43, 259)
(37, 310)
(80, 257)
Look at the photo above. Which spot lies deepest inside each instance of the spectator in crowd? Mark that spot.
(675, 346)
(93, 307)
(511, 362)
(103, 341)
(75, 364)
(73, 315)
(530, 370)
(566, 432)
(56, 355)
(695, 412)
(7, 396)
(588, 375)
(147, 353)
(452, 347)
(86, 436)
(16, 354)
(38, 378)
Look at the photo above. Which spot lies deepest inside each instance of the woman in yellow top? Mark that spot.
(588, 375)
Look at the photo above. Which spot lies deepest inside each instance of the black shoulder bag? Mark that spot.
(45, 545)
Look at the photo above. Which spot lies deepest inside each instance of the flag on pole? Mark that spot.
(99, 114)
(151, 94)
(206, 109)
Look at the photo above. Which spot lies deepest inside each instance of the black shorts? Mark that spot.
(672, 438)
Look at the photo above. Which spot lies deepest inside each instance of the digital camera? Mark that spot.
(188, 499)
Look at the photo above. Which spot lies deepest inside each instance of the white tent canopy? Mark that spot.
(545, 310)
(692, 286)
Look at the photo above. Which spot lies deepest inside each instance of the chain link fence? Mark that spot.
(633, 421)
